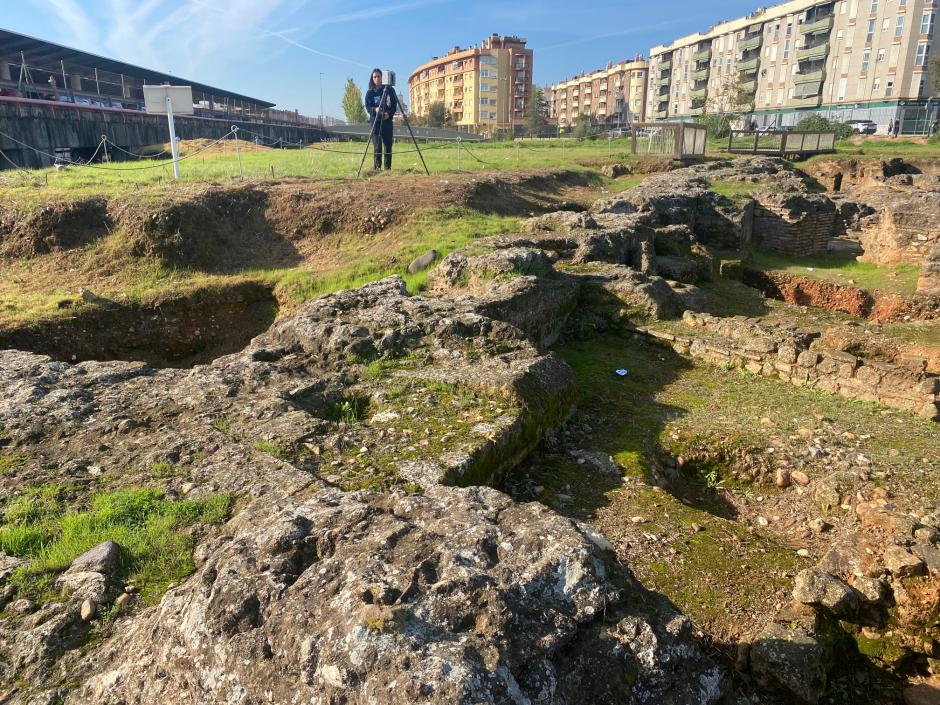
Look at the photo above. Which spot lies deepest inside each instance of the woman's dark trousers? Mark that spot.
(382, 137)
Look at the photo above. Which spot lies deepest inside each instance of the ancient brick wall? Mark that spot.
(794, 355)
(794, 225)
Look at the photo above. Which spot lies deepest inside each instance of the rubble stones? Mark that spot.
(902, 563)
(788, 657)
(818, 588)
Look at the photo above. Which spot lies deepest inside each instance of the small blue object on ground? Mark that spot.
(621, 373)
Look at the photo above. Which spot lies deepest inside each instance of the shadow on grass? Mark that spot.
(618, 416)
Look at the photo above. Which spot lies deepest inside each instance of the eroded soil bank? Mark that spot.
(179, 330)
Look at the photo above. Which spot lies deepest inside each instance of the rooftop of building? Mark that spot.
(40, 51)
(762, 14)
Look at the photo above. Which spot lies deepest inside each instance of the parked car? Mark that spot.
(619, 132)
(862, 127)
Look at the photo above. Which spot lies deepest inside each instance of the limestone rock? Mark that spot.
(902, 563)
(103, 558)
(457, 596)
(818, 588)
(791, 659)
(7, 565)
(419, 264)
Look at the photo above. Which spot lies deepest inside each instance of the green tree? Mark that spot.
(583, 129)
(726, 103)
(352, 104)
(537, 113)
(439, 115)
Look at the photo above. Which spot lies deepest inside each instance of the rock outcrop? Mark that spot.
(457, 596)
(336, 579)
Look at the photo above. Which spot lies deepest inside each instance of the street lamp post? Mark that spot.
(321, 99)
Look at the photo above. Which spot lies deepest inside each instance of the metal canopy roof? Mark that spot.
(39, 50)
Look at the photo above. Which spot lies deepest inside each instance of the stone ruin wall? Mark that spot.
(794, 232)
(792, 355)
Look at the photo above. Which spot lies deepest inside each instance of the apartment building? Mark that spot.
(846, 59)
(486, 87)
(615, 95)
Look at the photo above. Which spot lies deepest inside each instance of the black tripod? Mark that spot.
(377, 126)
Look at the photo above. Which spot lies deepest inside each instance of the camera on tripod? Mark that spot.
(388, 78)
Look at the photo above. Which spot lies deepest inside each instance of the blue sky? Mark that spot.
(276, 49)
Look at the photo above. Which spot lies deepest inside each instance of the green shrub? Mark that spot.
(817, 123)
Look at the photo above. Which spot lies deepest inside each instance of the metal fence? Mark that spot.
(781, 142)
(674, 139)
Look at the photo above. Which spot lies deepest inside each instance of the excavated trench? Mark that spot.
(179, 331)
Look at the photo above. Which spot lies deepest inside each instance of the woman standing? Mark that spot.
(381, 105)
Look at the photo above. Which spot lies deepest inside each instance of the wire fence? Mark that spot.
(243, 153)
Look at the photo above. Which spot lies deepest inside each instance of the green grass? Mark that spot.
(155, 551)
(667, 404)
(330, 161)
(839, 269)
(272, 449)
(8, 463)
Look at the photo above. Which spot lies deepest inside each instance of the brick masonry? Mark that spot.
(794, 355)
(794, 224)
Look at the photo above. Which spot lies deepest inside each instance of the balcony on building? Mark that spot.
(661, 114)
(749, 65)
(816, 52)
(665, 65)
(808, 102)
(665, 81)
(751, 41)
(820, 26)
(700, 75)
(702, 53)
(699, 93)
(809, 75)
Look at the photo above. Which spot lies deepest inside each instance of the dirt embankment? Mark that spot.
(217, 227)
(805, 291)
(180, 330)
(849, 174)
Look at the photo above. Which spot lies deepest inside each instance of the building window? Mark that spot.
(923, 51)
(874, 7)
(841, 94)
(866, 60)
(881, 56)
(886, 25)
(789, 29)
(871, 32)
(786, 49)
(876, 86)
(926, 23)
(889, 89)
(899, 26)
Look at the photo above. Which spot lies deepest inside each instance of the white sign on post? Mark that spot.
(160, 100)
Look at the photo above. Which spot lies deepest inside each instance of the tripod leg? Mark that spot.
(366, 152)
(405, 118)
(375, 126)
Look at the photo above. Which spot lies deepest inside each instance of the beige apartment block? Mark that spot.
(844, 59)
(486, 87)
(612, 96)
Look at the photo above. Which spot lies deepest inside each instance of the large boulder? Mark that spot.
(459, 596)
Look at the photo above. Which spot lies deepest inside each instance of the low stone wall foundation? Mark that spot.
(793, 354)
